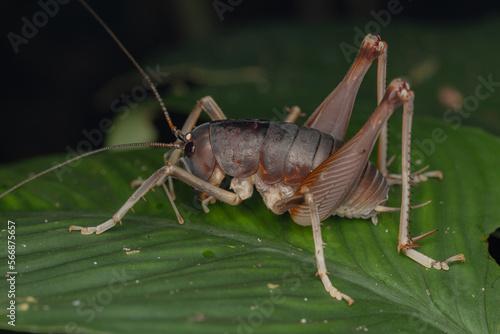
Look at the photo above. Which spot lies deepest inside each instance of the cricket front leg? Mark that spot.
(206, 104)
(172, 157)
(168, 170)
(128, 205)
(405, 243)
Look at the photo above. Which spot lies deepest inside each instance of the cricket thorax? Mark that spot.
(271, 193)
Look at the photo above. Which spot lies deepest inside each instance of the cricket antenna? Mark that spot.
(178, 134)
(172, 145)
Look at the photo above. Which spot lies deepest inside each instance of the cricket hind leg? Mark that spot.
(383, 162)
(333, 114)
(405, 243)
(168, 170)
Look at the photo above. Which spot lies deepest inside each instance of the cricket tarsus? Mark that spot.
(319, 254)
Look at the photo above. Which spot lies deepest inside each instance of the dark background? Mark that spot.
(48, 88)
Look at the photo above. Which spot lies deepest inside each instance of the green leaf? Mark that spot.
(242, 269)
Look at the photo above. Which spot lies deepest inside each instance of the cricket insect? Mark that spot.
(305, 169)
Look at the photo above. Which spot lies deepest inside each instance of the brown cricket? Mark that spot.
(306, 170)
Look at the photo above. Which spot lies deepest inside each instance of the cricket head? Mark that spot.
(199, 158)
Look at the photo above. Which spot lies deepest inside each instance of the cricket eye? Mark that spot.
(189, 149)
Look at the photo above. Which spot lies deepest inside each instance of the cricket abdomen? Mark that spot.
(372, 190)
(276, 151)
